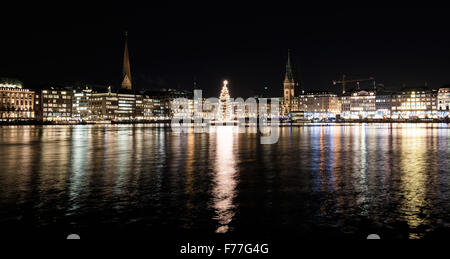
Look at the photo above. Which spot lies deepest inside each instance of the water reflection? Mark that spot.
(414, 177)
(224, 190)
(346, 178)
(79, 162)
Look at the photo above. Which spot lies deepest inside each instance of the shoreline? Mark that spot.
(49, 123)
(282, 124)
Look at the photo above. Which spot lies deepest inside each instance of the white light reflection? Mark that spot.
(81, 140)
(225, 178)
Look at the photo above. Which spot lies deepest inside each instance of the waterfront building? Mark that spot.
(165, 99)
(80, 103)
(16, 103)
(127, 105)
(54, 104)
(444, 102)
(359, 105)
(319, 104)
(280, 102)
(345, 105)
(152, 109)
(295, 102)
(268, 111)
(383, 105)
(202, 112)
(363, 104)
(416, 103)
(139, 108)
(183, 111)
(289, 88)
(104, 106)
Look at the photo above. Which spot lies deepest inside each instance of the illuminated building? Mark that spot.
(295, 102)
(359, 105)
(54, 104)
(139, 107)
(165, 99)
(383, 105)
(104, 106)
(127, 106)
(444, 100)
(346, 104)
(187, 112)
(289, 88)
(16, 103)
(269, 110)
(80, 103)
(417, 103)
(319, 104)
(152, 108)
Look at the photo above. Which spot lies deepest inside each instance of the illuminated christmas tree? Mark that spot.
(225, 103)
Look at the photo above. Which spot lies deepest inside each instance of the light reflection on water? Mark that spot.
(343, 179)
(225, 173)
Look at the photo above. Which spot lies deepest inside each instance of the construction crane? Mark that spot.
(344, 81)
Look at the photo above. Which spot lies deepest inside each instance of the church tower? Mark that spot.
(126, 74)
(289, 86)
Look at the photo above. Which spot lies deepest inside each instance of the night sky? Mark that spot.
(170, 46)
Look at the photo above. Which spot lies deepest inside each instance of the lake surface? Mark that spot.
(145, 181)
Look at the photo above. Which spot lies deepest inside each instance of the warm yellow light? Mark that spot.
(225, 82)
(6, 85)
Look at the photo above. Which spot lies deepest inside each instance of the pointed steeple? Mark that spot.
(288, 87)
(126, 74)
(195, 84)
(289, 78)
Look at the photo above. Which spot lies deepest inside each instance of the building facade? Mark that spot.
(16, 103)
(346, 104)
(104, 106)
(54, 105)
(444, 100)
(414, 104)
(127, 106)
(165, 99)
(139, 107)
(153, 110)
(80, 104)
(383, 105)
(359, 105)
(321, 104)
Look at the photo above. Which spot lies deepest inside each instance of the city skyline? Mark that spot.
(221, 129)
(72, 104)
(172, 49)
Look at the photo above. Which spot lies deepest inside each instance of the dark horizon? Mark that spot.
(248, 46)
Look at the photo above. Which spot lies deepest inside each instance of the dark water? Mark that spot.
(147, 182)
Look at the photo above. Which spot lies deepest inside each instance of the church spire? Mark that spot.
(126, 74)
(289, 78)
(289, 87)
